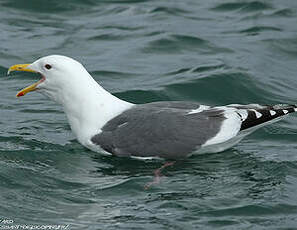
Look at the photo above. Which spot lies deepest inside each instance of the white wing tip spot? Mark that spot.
(285, 111)
(295, 109)
(272, 113)
(258, 115)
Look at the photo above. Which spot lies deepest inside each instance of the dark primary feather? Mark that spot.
(265, 111)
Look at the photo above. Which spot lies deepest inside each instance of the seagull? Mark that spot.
(165, 129)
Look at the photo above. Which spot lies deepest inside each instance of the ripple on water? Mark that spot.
(287, 46)
(206, 89)
(181, 43)
(170, 10)
(248, 6)
(255, 30)
(43, 6)
(283, 13)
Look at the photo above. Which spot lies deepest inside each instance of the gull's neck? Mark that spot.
(89, 107)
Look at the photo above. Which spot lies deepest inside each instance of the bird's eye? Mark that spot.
(48, 66)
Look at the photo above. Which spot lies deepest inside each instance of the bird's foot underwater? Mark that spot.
(158, 175)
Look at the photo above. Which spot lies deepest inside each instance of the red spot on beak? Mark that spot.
(20, 94)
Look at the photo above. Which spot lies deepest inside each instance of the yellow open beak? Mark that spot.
(24, 67)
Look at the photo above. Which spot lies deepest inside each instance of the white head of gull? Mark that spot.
(87, 105)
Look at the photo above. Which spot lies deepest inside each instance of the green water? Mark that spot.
(215, 52)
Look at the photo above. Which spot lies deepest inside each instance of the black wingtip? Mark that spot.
(260, 116)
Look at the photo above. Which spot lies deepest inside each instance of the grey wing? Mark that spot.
(159, 129)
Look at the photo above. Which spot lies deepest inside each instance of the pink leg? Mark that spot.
(158, 175)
